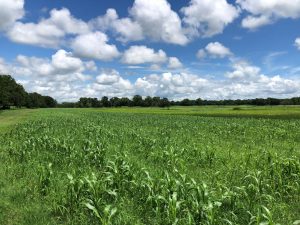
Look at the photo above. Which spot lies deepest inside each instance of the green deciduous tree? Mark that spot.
(11, 93)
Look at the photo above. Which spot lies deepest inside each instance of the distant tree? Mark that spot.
(6, 84)
(172, 103)
(137, 100)
(50, 102)
(11, 93)
(273, 101)
(19, 96)
(164, 102)
(125, 101)
(115, 102)
(259, 101)
(198, 101)
(88, 103)
(94, 102)
(238, 102)
(155, 101)
(286, 102)
(296, 100)
(148, 101)
(186, 102)
(105, 102)
(67, 105)
(83, 103)
(14, 94)
(35, 100)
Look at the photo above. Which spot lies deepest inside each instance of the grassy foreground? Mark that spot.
(149, 166)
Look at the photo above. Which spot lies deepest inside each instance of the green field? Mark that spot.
(183, 165)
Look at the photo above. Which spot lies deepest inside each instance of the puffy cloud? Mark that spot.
(253, 23)
(142, 54)
(278, 85)
(206, 18)
(136, 55)
(125, 28)
(158, 21)
(242, 70)
(66, 22)
(104, 22)
(173, 86)
(214, 50)
(184, 85)
(174, 63)
(265, 12)
(247, 81)
(31, 66)
(263, 86)
(128, 30)
(63, 76)
(108, 78)
(95, 46)
(44, 35)
(147, 19)
(10, 11)
(297, 43)
(48, 32)
(62, 63)
(110, 83)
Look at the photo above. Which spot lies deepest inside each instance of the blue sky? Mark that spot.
(177, 49)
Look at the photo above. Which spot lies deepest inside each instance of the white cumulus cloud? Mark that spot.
(107, 78)
(110, 83)
(61, 63)
(206, 18)
(48, 32)
(63, 76)
(174, 63)
(10, 11)
(142, 54)
(154, 20)
(173, 86)
(64, 62)
(253, 23)
(125, 28)
(242, 70)
(158, 21)
(264, 12)
(214, 50)
(95, 46)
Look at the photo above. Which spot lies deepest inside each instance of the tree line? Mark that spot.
(137, 100)
(14, 94)
(149, 101)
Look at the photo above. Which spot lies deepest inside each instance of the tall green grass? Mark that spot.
(91, 167)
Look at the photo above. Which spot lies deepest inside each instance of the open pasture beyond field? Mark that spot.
(193, 165)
